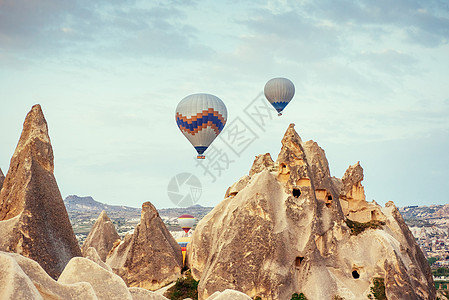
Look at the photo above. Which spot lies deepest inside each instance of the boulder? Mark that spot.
(92, 254)
(143, 294)
(102, 236)
(33, 218)
(287, 228)
(229, 295)
(150, 257)
(23, 278)
(106, 284)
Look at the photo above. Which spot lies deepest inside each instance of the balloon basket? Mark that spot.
(279, 114)
(201, 157)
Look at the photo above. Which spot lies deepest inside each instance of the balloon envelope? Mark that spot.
(186, 222)
(182, 242)
(201, 118)
(279, 92)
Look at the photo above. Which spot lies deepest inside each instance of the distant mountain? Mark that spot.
(84, 204)
(74, 203)
(426, 215)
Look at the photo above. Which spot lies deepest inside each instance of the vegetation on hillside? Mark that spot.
(378, 289)
(357, 227)
(185, 287)
(297, 296)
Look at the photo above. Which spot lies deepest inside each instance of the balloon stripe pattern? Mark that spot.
(186, 222)
(201, 118)
(279, 92)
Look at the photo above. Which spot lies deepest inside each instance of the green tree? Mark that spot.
(297, 296)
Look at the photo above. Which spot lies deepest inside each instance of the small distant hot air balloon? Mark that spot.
(182, 242)
(186, 222)
(279, 92)
(201, 118)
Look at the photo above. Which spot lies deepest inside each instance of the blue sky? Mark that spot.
(371, 83)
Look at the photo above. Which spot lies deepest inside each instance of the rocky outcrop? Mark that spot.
(149, 258)
(102, 236)
(287, 228)
(2, 178)
(33, 218)
(23, 278)
(104, 283)
(229, 295)
(82, 279)
(92, 254)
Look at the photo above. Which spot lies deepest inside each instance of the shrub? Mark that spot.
(185, 287)
(297, 296)
(378, 289)
(357, 227)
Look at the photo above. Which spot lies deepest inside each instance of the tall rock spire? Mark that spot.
(150, 258)
(32, 211)
(102, 236)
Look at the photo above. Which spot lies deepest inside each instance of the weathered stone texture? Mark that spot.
(102, 236)
(283, 230)
(33, 218)
(149, 258)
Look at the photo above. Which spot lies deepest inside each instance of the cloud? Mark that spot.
(423, 22)
(52, 27)
(388, 61)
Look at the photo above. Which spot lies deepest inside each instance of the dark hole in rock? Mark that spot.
(329, 205)
(355, 274)
(329, 198)
(154, 281)
(296, 193)
(298, 261)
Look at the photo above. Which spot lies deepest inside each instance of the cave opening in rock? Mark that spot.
(298, 261)
(355, 274)
(154, 281)
(329, 198)
(296, 192)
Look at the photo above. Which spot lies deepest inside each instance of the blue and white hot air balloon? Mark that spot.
(201, 118)
(279, 91)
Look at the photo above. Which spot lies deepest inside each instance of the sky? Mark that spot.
(371, 81)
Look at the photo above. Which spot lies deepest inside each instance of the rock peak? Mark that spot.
(102, 236)
(292, 149)
(150, 257)
(31, 205)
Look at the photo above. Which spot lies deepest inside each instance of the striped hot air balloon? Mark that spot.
(279, 92)
(186, 222)
(201, 118)
(182, 242)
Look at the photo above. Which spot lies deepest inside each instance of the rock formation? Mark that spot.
(289, 227)
(33, 218)
(82, 279)
(23, 278)
(102, 236)
(92, 254)
(229, 295)
(2, 178)
(149, 258)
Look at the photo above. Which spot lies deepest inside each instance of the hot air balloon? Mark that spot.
(182, 242)
(186, 222)
(279, 91)
(201, 118)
